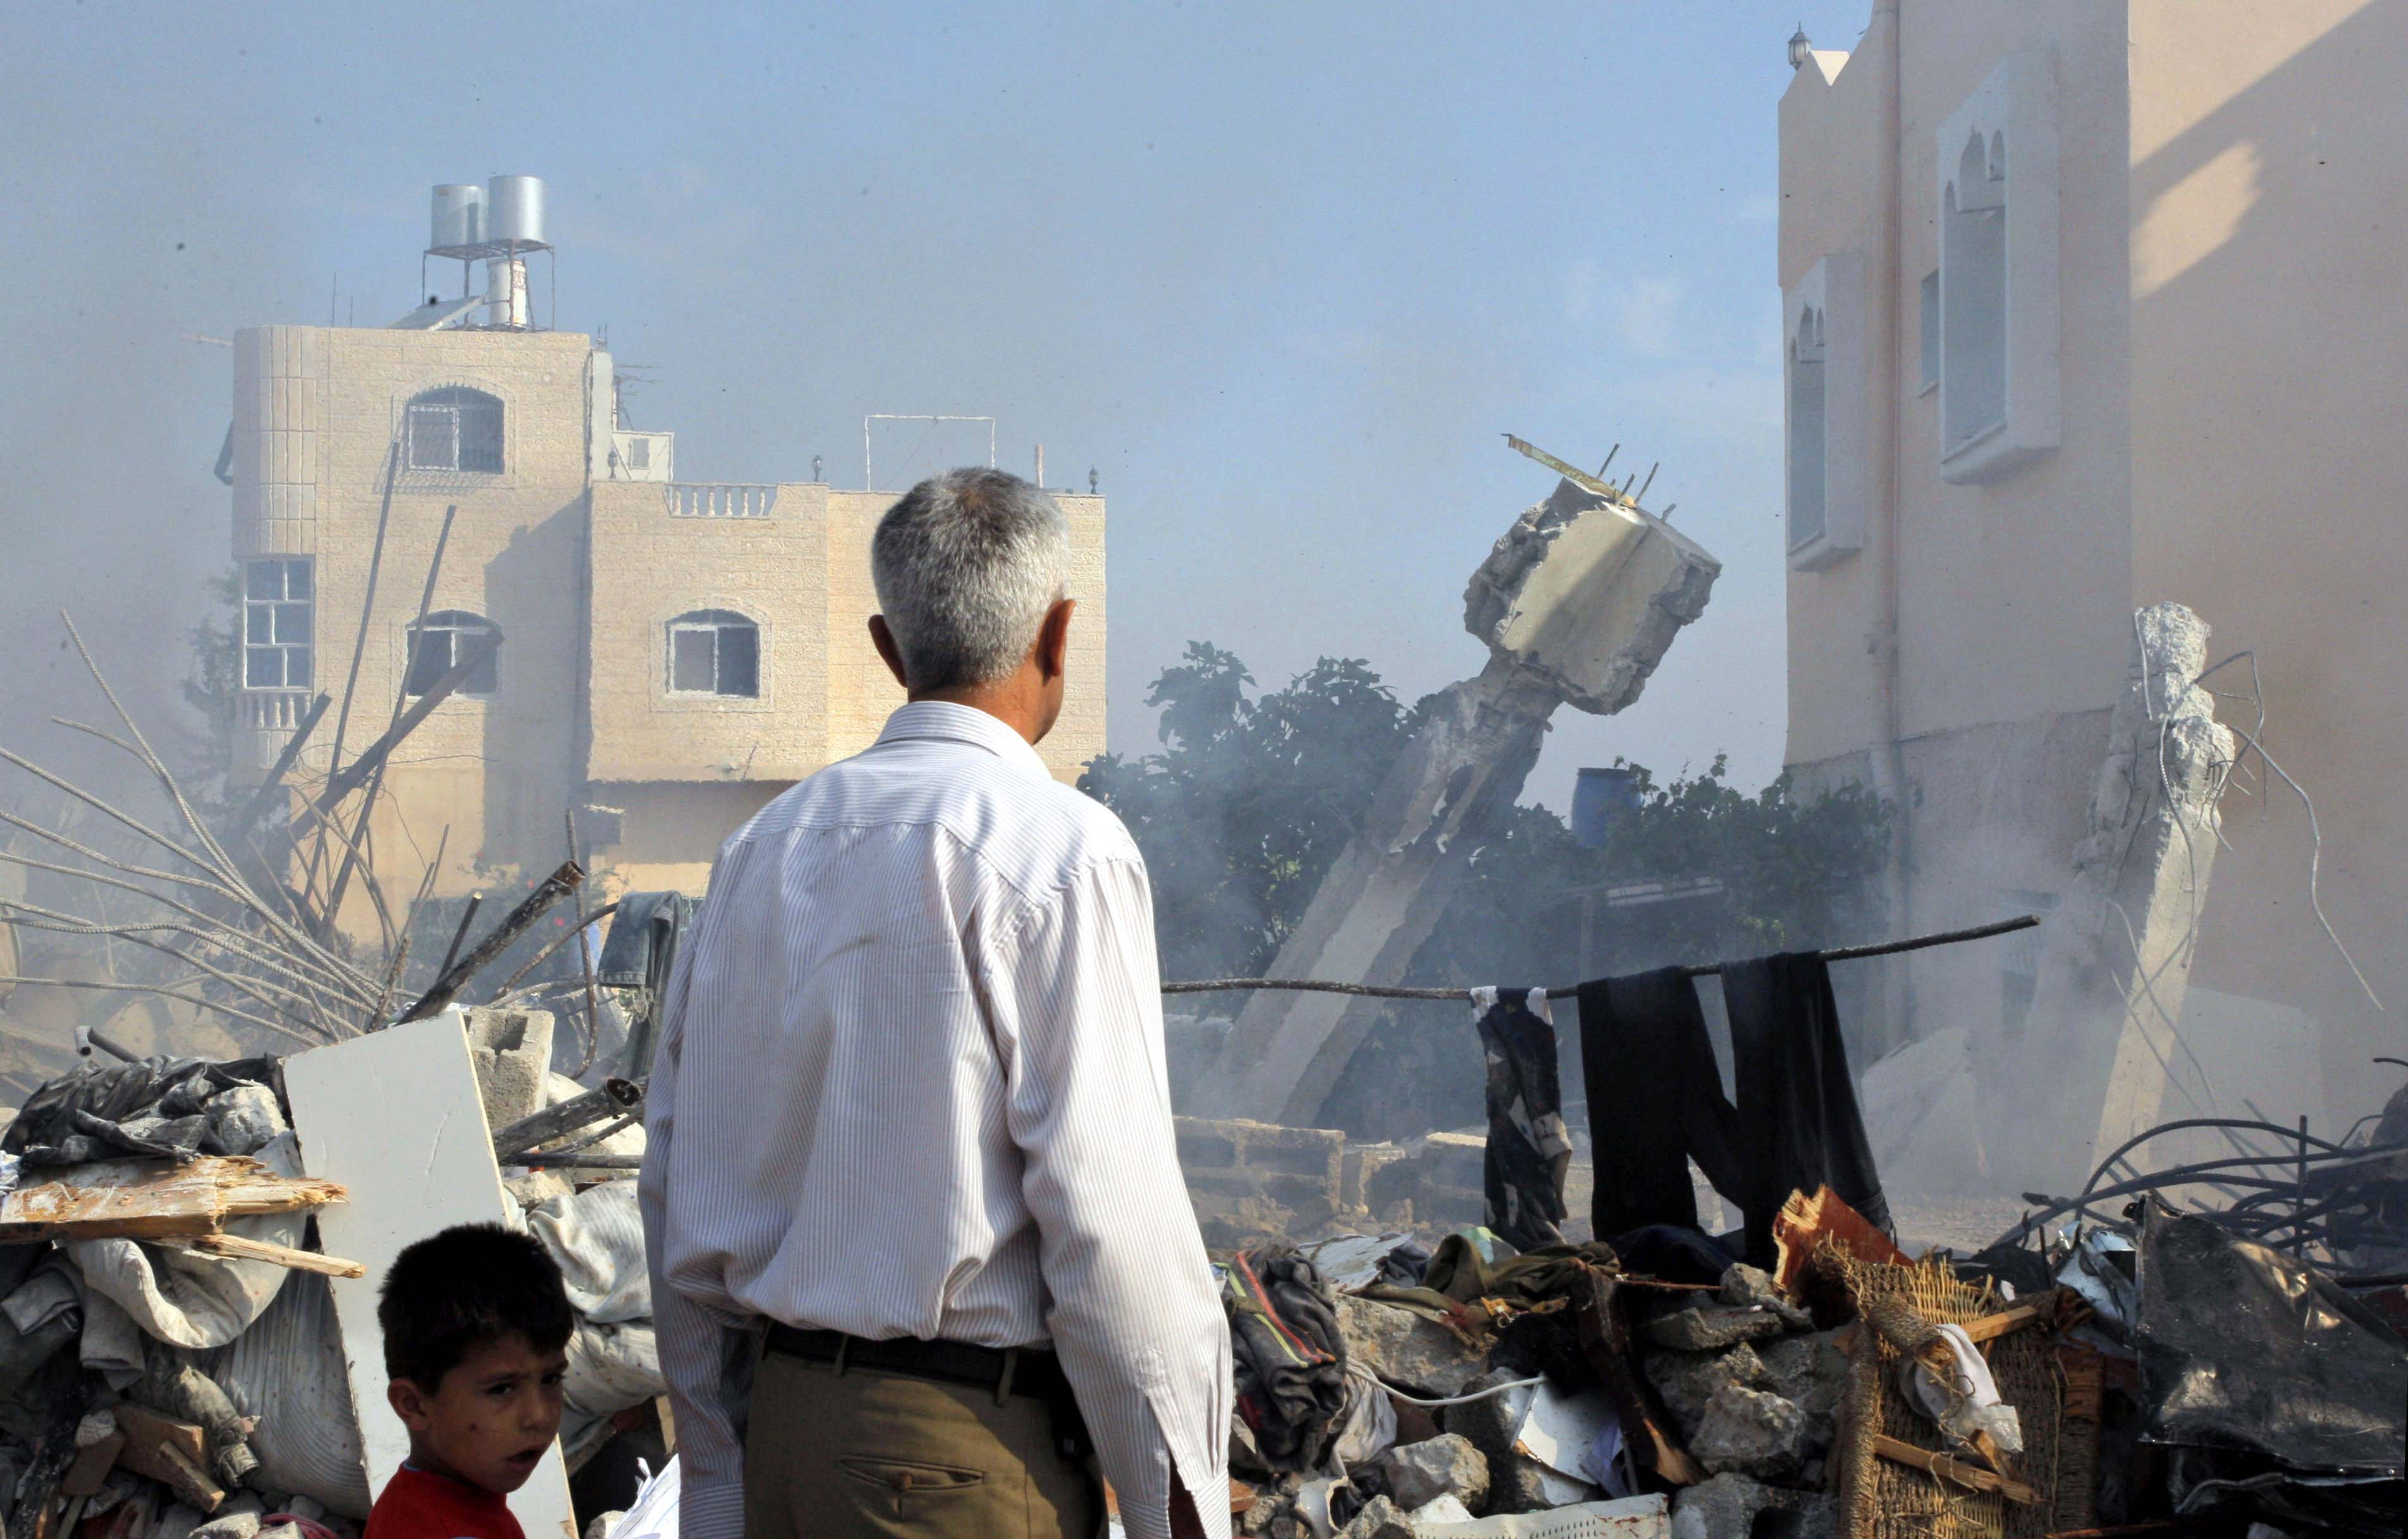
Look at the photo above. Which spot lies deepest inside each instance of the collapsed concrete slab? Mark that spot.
(2094, 1067)
(1577, 603)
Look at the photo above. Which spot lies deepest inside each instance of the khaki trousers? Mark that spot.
(832, 1456)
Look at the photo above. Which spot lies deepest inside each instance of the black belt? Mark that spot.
(1034, 1372)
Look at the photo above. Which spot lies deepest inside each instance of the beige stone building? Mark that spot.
(2090, 306)
(674, 654)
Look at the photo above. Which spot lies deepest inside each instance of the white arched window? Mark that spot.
(1807, 444)
(454, 428)
(714, 652)
(442, 640)
(1973, 290)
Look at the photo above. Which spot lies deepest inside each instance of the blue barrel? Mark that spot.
(1603, 798)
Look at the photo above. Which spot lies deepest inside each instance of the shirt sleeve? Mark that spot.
(1134, 1311)
(707, 1362)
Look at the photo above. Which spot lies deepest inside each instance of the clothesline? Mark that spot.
(1387, 991)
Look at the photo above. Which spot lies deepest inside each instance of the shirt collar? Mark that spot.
(963, 724)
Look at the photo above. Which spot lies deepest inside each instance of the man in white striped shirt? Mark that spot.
(912, 1199)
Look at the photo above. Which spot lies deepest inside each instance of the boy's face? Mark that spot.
(492, 1417)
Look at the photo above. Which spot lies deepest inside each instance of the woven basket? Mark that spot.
(1881, 1499)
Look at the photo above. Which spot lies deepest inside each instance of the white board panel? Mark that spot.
(395, 1117)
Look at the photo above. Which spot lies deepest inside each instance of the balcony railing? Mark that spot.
(272, 709)
(718, 499)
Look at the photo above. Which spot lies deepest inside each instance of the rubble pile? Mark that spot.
(1661, 1390)
(171, 1361)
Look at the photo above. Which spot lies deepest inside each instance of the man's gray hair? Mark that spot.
(966, 566)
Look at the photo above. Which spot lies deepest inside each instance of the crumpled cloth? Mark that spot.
(598, 1238)
(196, 1302)
(611, 1368)
(1968, 1405)
(156, 1109)
(1289, 1359)
(288, 1370)
(1459, 1274)
(1367, 1426)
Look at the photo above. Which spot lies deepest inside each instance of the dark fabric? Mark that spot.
(1528, 1148)
(643, 938)
(155, 1109)
(1797, 1097)
(836, 1455)
(1457, 1275)
(1656, 1100)
(1290, 1359)
(1675, 1254)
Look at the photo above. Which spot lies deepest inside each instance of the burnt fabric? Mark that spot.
(1289, 1359)
(1656, 1100)
(1530, 1149)
(156, 1109)
(1796, 1095)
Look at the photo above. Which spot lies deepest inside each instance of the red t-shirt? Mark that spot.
(417, 1504)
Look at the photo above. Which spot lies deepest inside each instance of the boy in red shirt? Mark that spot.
(475, 1345)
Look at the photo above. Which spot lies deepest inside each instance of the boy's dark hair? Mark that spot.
(452, 1293)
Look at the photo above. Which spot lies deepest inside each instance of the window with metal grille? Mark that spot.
(437, 645)
(275, 623)
(714, 652)
(454, 428)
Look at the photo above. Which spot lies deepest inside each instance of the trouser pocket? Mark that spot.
(907, 1488)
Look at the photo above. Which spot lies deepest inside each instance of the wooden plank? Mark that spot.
(90, 1470)
(1991, 1327)
(147, 1199)
(174, 1453)
(234, 1248)
(397, 1117)
(1942, 1467)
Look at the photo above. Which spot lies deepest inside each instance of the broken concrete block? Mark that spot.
(534, 1188)
(1380, 1519)
(512, 1052)
(1409, 1350)
(245, 1118)
(1589, 595)
(1688, 1380)
(1811, 1372)
(1751, 1431)
(1751, 1288)
(1418, 1473)
(1712, 1328)
(1724, 1507)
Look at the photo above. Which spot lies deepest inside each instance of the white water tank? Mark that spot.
(458, 218)
(514, 210)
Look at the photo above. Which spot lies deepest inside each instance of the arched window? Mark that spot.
(1808, 448)
(1973, 292)
(714, 652)
(448, 637)
(454, 428)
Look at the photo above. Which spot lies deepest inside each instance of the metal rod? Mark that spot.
(447, 984)
(452, 953)
(2299, 1209)
(256, 808)
(367, 602)
(550, 946)
(1383, 991)
(615, 1097)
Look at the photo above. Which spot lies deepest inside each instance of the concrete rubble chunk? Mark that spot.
(1446, 1509)
(512, 1052)
(1409, 1350)
(1589, 595)
(1378, 1519)
(1751, 1431)
(1714, 1328)
(1811, 1372)
(1746, 1287)
(1515, 1482)
(1418, 1473)
(245, 1118)
(1688, 1380)
(1724, 1507)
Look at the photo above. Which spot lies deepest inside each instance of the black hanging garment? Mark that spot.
(1530, 1149)
(1796, 1095)
(1656, 1100)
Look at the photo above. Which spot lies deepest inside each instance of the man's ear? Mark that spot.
(1054, 640)
(883, 640)
(408, 1402)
